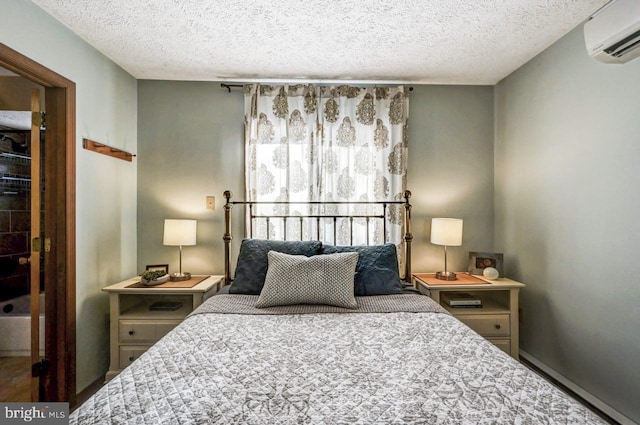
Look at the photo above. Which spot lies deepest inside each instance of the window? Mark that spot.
(320, 143)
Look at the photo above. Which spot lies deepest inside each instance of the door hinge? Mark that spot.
(39, 119)
(41, 368)
(36, 245)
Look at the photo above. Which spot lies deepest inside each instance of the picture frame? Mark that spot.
(162, 267)
(478, 261)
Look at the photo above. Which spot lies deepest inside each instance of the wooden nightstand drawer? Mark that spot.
(145, 330)
(487, 324)
(129, 353)
(503, 344)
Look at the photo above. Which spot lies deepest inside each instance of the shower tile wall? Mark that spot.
(14, 229)
(15, 95)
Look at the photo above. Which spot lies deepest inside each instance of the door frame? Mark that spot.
(60, 223)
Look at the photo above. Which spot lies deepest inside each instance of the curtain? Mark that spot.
(327, 143)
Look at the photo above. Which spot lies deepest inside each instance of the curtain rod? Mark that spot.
(230, 86)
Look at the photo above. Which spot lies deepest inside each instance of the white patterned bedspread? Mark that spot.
(422, 367)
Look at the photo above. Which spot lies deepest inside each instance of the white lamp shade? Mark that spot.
(179, 232)
(446, 231)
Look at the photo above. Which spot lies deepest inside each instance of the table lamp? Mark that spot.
(179, 233)
(447, 232)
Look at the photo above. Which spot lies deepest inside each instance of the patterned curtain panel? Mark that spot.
(317, 143)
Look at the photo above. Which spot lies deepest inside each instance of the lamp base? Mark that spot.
(446, 276)
(179, 277)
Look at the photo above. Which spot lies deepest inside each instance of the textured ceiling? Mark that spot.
(418, 41)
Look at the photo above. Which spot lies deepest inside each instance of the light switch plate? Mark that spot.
(211, 202)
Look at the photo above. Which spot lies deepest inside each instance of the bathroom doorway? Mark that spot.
(52, 370)
(22, 139)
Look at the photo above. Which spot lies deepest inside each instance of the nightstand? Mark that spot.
(134, 327)
(497, 320)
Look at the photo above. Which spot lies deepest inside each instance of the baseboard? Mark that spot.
(581, 393)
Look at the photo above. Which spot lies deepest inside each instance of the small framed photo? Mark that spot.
(478, 261)
(160, 267)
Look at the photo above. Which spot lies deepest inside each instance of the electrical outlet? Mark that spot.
(211, 202)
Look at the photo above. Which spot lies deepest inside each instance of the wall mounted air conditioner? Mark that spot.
(612, 34)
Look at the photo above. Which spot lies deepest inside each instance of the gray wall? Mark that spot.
(451, 170)
(567, 205)
(106, 99)
(191, 144)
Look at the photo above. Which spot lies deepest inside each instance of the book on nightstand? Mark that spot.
(165, 306)
(461, 299)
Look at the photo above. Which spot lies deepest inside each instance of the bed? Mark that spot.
(285, 353)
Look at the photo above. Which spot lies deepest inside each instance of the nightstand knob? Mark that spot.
(131, 332)
(497, 326)
(131, 358)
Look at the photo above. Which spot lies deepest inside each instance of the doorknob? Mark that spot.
(24, 260)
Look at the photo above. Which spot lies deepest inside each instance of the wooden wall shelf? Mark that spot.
(106, 150)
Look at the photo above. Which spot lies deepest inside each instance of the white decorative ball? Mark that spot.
(490, 273)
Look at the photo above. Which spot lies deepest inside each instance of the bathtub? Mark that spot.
(15, 327)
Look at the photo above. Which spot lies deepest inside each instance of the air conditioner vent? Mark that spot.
(612, 35)
(624, 46)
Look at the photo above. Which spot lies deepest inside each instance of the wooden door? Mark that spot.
(60, 263)
(37, 243)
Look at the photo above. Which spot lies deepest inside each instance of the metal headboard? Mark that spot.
(253, 216)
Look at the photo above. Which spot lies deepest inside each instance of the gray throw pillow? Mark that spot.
(321, 279)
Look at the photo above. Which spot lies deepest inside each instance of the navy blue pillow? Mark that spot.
(251, 269)
(377, 268)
